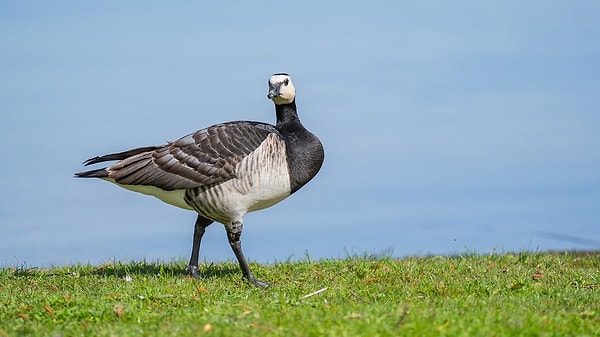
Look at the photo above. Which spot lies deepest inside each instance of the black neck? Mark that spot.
(287, 117)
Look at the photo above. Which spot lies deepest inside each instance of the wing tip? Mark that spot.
(99, 173)
(90, 161)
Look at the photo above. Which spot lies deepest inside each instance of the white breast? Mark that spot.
(262, 180)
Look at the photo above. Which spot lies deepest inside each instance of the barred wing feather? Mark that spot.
(205, 157)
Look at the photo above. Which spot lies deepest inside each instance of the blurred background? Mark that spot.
(449, 127)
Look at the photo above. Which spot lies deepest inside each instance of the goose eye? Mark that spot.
(286, 81)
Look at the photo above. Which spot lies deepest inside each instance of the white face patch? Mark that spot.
(281, 89)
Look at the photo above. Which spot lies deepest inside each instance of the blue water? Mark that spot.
(97, 221)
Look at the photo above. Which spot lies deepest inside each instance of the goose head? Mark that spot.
(281, 89)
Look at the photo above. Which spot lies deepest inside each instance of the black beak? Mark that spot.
(273, 92)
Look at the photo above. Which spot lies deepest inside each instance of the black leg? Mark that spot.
(234, 232)
(199, 229)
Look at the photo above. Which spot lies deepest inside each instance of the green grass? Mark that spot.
(527, 294)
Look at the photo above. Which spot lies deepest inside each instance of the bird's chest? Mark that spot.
(262, 180)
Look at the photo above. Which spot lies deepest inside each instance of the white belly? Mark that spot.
(175, 197)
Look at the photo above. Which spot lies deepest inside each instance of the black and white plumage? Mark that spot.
(224, 171)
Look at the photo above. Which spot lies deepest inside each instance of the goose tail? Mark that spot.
(119, 156)
(99, 173)
(103, 172)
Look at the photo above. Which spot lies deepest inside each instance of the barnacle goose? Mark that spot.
(224, 171)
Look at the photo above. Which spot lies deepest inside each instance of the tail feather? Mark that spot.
(99, 173)
(103, 172)
(118, 156)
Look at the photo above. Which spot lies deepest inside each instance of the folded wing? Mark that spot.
(207, 156)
